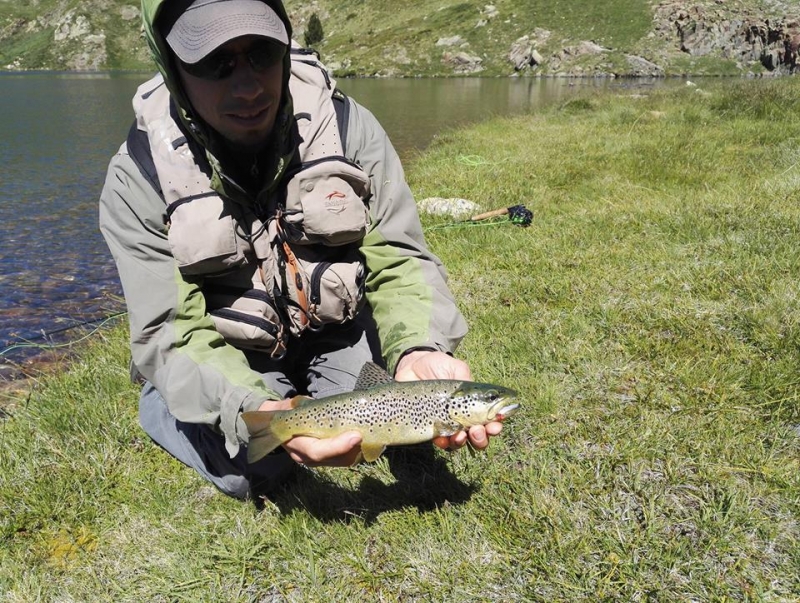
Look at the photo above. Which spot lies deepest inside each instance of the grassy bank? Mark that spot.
(649, 317)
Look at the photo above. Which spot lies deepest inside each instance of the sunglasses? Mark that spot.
(220, 64)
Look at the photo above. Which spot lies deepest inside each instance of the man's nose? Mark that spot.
(244, 80)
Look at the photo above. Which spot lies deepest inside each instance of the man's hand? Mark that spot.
(425, 364)
(340, 451)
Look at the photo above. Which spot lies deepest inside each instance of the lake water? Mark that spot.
(59, 131)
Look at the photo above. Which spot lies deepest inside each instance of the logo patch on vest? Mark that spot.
(335, 202)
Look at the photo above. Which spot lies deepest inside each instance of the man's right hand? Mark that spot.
(342, 450)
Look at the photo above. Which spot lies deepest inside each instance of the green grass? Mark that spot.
(31, 50)
(649, 316)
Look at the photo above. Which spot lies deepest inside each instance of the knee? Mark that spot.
(237, 486)
(152, 409)
(262, 477)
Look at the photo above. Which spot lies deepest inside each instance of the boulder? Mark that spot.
(92, 56)
(641, 67)
(523, 54)
(451, 41)
(587, 47)
(440, 206)
(129, 13)
(73, 26)
(490, 11)
(771, 59)
(747, 37)
(463, 63)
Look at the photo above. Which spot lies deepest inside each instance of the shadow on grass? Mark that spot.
(423, 481)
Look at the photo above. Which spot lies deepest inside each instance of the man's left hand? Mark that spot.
(427, 364)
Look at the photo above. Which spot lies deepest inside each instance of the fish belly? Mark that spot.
(395, 435)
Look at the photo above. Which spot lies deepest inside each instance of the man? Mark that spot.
(259, 258)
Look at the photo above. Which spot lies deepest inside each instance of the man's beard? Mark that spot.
(244, 147)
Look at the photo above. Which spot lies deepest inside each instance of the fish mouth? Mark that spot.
(505, 411)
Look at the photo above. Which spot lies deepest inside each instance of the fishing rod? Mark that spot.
(519, 215)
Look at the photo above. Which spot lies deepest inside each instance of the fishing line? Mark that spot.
(467, 223)
(27, 343)
(477, 160)
(472, 160)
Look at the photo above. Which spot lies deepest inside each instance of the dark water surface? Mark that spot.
(59, 131)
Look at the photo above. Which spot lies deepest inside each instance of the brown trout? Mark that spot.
(386, 413)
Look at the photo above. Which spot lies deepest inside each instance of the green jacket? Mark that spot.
(174, 344)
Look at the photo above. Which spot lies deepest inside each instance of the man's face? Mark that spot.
(241, 106)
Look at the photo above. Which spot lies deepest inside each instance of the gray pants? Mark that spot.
(321, 364)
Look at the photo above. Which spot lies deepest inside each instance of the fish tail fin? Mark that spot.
(262, 439)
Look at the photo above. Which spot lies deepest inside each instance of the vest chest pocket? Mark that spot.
(203, 236)
(326, 203)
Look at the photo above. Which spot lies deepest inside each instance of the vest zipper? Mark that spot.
(260, 323)
(256, 294)
(315, 295)
(309, 164)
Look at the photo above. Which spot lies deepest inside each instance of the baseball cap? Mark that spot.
(205, 25)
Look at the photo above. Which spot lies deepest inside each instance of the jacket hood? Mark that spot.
(193, 125)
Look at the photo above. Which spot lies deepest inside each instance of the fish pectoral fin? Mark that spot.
(443, 428)
(370, 452)
(299, 401)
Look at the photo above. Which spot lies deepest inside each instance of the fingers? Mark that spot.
(340, 451)
(344, 449)
(442, 442)
(269, 405)
(494, 428)
(431, 365)
(478, 436)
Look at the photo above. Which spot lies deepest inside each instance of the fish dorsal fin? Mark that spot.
(372, 375)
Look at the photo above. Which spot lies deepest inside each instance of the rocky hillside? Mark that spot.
(448, 37)
(84, 35)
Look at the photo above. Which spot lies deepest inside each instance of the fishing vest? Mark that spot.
(265, 278)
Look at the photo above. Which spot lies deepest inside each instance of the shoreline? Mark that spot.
(108, 73)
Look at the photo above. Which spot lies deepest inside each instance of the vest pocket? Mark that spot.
(202, 236)
(247, 331)
(317, 285)
(336, 290)
(245, 315)
(326, 203)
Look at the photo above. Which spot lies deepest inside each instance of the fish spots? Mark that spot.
(392, 413)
